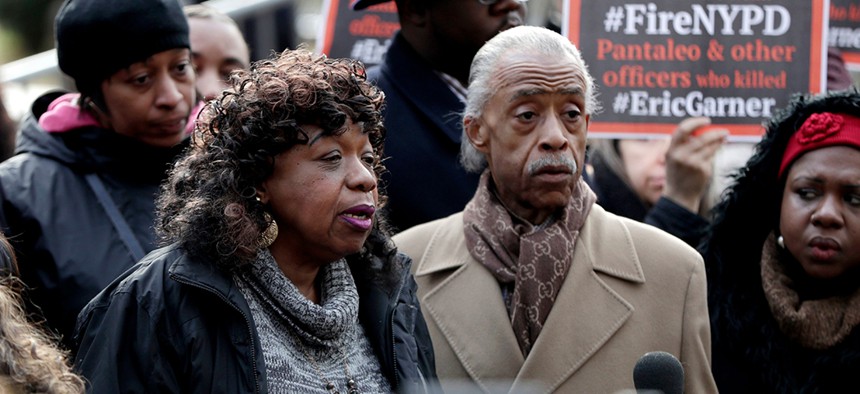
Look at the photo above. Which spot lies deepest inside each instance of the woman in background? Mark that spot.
(783, 256)
(78, 197)
(660, 181)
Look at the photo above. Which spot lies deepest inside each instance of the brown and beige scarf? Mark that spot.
(814, 324)
(535, 258)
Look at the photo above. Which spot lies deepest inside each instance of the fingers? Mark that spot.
(689, 126)
(695, 137)
(709, 142)
(690, 160)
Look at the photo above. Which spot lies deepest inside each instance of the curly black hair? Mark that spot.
(208, 206)
(749, 211)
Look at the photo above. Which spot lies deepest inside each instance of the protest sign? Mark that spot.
(363, 35)
(658, 62)
(844, 32)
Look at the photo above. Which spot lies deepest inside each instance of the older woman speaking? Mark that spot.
(277, 275)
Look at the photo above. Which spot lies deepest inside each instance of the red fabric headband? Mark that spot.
(821, 130)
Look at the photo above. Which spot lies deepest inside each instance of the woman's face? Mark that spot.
(323, 195)
(645, 163)
(820, 215)
(151, 100)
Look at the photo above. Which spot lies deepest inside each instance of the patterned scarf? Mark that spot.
(534, 258)
(814, 324)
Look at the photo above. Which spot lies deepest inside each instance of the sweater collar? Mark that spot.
(322, 324)
(813, 323)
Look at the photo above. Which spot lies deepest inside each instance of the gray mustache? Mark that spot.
(554, 161)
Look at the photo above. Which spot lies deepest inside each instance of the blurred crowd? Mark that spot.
(198, 214)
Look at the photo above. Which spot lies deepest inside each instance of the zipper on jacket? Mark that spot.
(394, 354)
(244, 316)
(391, 329)
(397, 302)
(394, 347)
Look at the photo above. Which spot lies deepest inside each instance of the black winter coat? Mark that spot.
(751, 354)
(67, 247)
(174, 324)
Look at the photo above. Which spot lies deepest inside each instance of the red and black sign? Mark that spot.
(844, 32)
(660, 61)
(363, 35)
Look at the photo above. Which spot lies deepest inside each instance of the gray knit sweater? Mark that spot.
(308, 346)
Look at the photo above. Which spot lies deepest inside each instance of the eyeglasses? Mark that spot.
(491, 2)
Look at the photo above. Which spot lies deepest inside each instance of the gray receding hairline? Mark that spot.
(531, 39)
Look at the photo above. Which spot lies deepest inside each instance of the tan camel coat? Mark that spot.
(631, 289)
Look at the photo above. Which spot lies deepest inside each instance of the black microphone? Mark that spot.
(659, 372)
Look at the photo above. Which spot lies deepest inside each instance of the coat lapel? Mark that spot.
(587, 311)
(467, 307)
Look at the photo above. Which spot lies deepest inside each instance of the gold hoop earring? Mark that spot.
(268, 236)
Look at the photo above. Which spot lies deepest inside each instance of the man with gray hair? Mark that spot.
(533, 287)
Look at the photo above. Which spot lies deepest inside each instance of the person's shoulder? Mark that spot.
(646, 233)
(145, 288)
(24, 175)
(147, 278)
(650, 243)
(416, 239)
(26, 163)
(425, 232)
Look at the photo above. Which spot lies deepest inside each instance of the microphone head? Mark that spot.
(660, 372)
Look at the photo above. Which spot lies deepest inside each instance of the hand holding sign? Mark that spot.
(690, 161)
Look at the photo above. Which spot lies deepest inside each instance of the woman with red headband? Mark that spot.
(783, 256)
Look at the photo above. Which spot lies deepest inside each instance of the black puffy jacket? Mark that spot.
(66, 245)
(174, 324)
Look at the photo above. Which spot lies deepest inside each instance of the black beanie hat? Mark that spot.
(96, 38)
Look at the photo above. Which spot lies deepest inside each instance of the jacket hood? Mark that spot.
(33, 139)
(65, 114)
(55, 128)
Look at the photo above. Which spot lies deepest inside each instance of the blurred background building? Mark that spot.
(28, 65)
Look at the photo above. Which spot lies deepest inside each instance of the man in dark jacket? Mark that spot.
(424, 77)
(78, 198)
